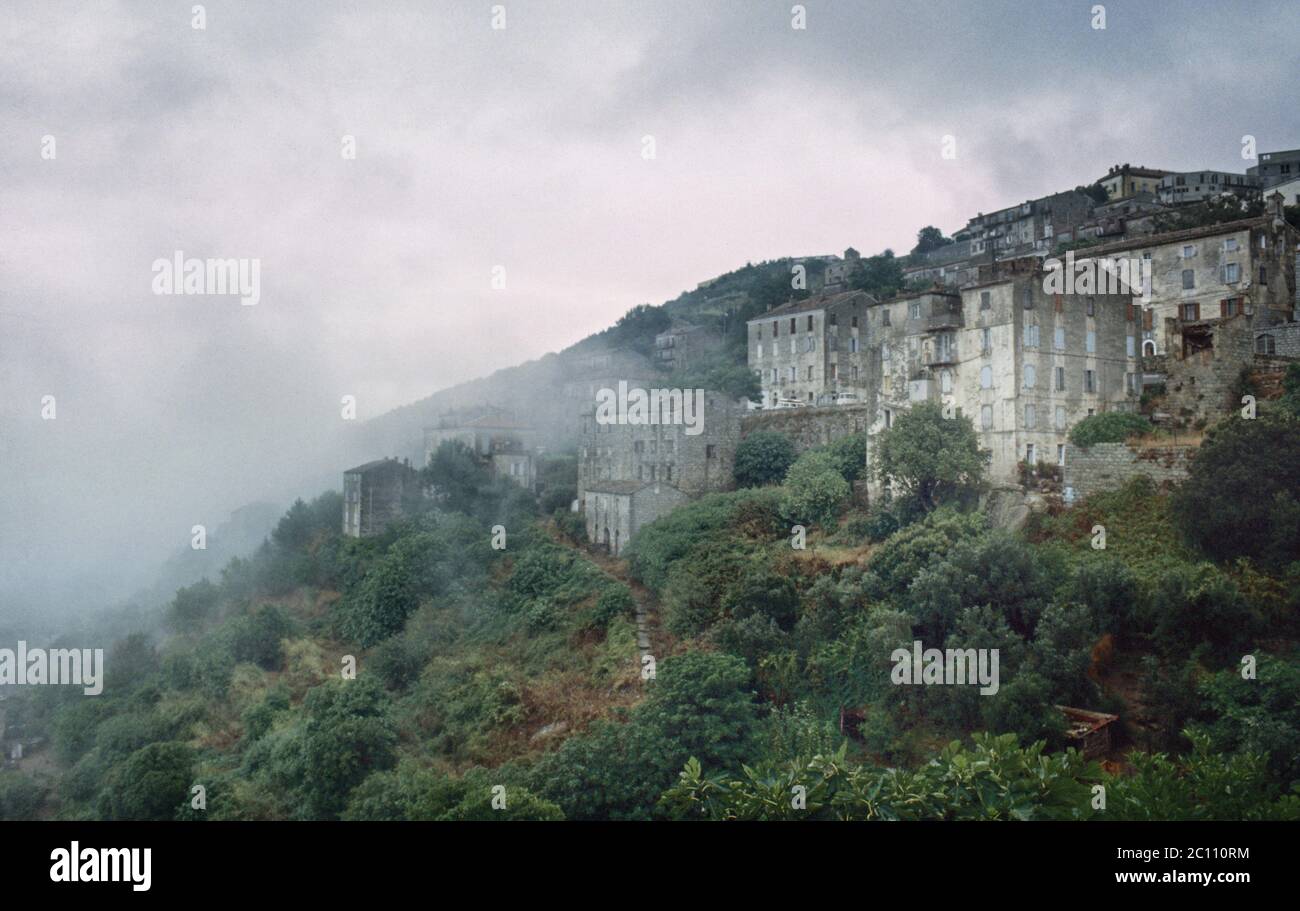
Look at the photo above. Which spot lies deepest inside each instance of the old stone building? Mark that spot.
(1198, 186)
(684, 345)
(1245, 266)
(810, 351)
(374, 495)
(1033, 225)
(1125, 180)
(616, 510)
(506, 444)
(1025, 365)
(669, 452)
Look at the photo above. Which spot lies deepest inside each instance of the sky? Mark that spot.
(517, 152)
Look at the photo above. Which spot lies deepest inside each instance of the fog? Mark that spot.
(475, 149)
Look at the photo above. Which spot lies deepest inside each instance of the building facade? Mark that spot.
(616, 510)
(374, 495)
(1198, 186)
(810, 351)
(1125, 180)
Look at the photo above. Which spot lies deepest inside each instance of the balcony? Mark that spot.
(940, 321)
(940, 358)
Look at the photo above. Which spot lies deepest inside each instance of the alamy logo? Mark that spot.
(179, 275)
(102, 865)
(952, 666)
(79, 666)
(1098, 275)
(653, 406)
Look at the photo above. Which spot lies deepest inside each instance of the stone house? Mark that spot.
(1198, 186)
(506, 444)
(1245, 266)
(1025, 365)
(683, 345)
(616, 510)
(1125, 180)
(666, 452)
(810, 350)
(374, 495)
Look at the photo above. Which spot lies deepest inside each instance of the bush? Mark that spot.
(930, 455)
(815, 489)
(1238, 500)
(1108, 427)
(763, 457)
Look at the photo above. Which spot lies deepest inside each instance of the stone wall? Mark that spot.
(1107, 466)
(1286, 339)
(809, 427)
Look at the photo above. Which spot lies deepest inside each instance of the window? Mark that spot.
(1060, 379)
(773, 374)
(1189, 279)
(1190, 312)
(1230, 245)
(793, 327)
(945, 381)
(810, 373)
(984, 300)
(1189, 251)
(914, 310)
(1231, 273)
(1031, 417)
(1030, 455)
(1029, 299)
(793, 344)
(760, 349)
(1090, 381)
(832, 371)
(1031, 375)
(833, 320)
(884, 317)
(855, 322)
(853, 345)
(986, 417)
(986, 340)
(1092, 306)
(1130, 383)
(1058, 338)
(810, 323)
(793, 375)
(1130, 346)
(760, 332)
(1265, 344)
(889, 419)
(710, 451)
(1230, 307)
(986, 377)
(1031, 336)
(1060, 453)
(854, 371)
(1090, 342)
(775, 328)
(1060, 417)
(1263, 275)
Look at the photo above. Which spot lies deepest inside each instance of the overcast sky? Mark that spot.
(478, 147)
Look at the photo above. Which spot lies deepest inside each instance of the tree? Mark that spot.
(152, 783)
(815, 490)
(386, 597)
(1108, 427)
(880, 275)
(456, 476)
(929, 454)
(1238, 500)
(763, 457)
(929, 238)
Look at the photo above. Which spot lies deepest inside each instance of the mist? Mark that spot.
(128, 417)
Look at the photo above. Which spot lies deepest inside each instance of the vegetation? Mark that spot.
(1109, 427)
(762, 458)
(930, 455)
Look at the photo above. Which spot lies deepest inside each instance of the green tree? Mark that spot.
(815, 490)
(386, 597)
(1236, 502)
(763, 457)
(152, 783)
(929, 238)
(929, 454)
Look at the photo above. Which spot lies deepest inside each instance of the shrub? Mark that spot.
(815, 490)
(1108, 427)
(763, 457)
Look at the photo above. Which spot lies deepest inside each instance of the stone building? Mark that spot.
(374, 495)
(667, 452)
(1198, 186)
(1124, 180)
(616, 510)
(506, 444)
(1276, 167)
(810, 351)
(1025, 365)
(1244, 266)
(683, 345)
(1033, 225)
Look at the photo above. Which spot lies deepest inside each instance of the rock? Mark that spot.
(555, 727)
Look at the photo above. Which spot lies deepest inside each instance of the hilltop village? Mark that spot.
(1016, 322)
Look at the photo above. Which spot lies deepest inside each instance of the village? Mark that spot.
(988, 327)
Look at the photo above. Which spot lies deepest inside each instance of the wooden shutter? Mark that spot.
(1147, 318)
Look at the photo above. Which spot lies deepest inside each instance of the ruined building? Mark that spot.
(375, 494)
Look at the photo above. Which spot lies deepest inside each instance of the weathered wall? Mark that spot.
(1286, 339)
(809, 427)
(1106, 466)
